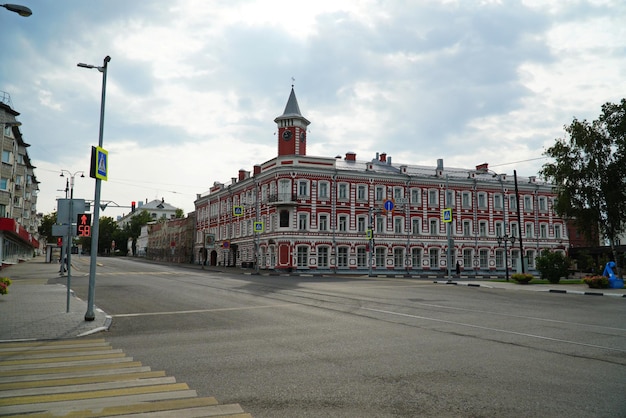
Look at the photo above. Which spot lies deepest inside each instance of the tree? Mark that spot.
(589, 173)
(45, 229)
(179, 214)
(133, 228)
(553, 265)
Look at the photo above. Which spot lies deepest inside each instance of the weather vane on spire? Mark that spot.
(293, 80)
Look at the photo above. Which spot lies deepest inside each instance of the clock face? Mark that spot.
(302, 136)
(286, 134)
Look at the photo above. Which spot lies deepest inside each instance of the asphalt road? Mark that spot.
(368, 347)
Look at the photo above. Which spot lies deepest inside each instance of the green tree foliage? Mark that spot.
(107, 230)
(45, 229)
(589, 173)
(552, 265)
(179, 214)
(133, 228)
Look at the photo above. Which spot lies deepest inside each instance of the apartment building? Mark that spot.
(19, 220)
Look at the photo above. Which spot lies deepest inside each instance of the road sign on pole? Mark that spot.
(446, 215)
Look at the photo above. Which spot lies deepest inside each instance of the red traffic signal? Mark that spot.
(59, 242)
(132, 206)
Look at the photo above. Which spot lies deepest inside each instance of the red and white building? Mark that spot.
(318, 214)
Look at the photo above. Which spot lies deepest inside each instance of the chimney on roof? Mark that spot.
(350, 156)
(257, 169)
(483, 168)
(383, 157)
(242, 174)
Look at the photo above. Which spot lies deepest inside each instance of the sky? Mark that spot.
(193, 86)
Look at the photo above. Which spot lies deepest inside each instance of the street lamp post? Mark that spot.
(70, 235)
(20, 10)
(90, 315)
(505, 238)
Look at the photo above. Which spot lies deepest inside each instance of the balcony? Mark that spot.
(281, 199)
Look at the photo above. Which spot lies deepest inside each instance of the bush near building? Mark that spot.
(553, 265)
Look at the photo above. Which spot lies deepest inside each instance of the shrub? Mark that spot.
(5, 282)
(553, 265)
(522, 278)
(597, 282)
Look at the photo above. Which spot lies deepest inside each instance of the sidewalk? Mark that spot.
(36, 310)
(564, 287)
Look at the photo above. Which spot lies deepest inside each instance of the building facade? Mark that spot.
(158, 210)
(19, 220)
(318, 214)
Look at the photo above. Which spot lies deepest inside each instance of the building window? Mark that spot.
(397, 225)
(499, 259)
(514, 230)
(303, 221)
(528, 203)
(322, 257)
(343, 223)
(380, 256)
(484, 259)
(6, 156)
(467, 228)
(433, 200)
(3, 211)
(497, 201)
(342, 193)
(530, 256)
(303, 188)
(342, 257)
(416, 257)
(415, 196)
(323, 222)
(514, 258)
(482, 228)
(380, 193)
(466, 200)
(415, 226)
(398, 192)
(467, 257)
(302, 256)
(361, 192)
(512, 202)
(284, 219)
(433, 227)
(361, 257)
(529, 230)
(499, 229)
(322, 191)
(380, 224)
(482, 200)
(398, 257)
(557, 231)
(433, 258)
(361, 222)
(543, 207)
(4, 184)
(543, 231)
(450, 199)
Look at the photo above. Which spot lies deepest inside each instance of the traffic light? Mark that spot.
(132, 207)
(59, 242)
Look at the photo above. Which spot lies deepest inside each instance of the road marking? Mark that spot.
(129, 315)
(522, 334)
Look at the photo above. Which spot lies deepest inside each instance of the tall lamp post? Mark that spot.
(68, 251)
(90, 315)
(504, 238)
(20, 10)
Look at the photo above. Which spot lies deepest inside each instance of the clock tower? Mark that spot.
(292, 129)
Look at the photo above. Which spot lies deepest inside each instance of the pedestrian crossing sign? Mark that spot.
(446, 215)
(99, 163)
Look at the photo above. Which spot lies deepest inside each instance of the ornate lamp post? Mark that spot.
(20, 10)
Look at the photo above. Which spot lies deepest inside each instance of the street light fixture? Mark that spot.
(20, 10)
(90, 315)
